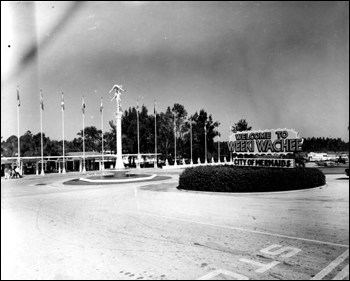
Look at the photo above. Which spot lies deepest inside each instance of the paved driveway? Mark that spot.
(154, 231)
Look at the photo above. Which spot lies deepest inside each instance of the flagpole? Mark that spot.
(41, 126)
(18, 152)
(102, 165)
(205, 134)
(138, 138)
(229, 133)
(219, 148)
(155, 135)
(84, 169)
(63, 162)
(175, 163)
(191, 140)
(18, 142)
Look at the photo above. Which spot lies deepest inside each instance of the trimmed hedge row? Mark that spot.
(249, 179)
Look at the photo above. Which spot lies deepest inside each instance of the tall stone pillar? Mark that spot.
(118, 89)
(119, 161)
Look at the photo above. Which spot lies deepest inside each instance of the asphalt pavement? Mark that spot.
(153, 231)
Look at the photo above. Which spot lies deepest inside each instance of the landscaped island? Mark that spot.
(249, 179)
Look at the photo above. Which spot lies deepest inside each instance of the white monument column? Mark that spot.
(119, 162)
(117, 93)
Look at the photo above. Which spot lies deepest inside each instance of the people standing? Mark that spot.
(7, 175)
(10, 173)
(17, 175)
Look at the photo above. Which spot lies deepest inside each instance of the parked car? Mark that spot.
(340, 160)
(325, 163)
(346, 157)
(314, 157)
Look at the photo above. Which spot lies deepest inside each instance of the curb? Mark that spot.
(119, 181)
(253, 193)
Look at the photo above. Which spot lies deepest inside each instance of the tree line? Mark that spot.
(173, 122)
(325, 145)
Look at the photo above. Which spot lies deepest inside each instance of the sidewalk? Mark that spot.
(52, 175)
(97, 172)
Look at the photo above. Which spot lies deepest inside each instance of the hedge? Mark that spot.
(249, 179)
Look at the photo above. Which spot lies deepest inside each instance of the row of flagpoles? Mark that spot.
(83, 115)
(83, 111)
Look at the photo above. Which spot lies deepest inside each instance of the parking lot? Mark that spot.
(154, 231)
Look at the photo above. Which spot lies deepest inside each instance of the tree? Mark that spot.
(179, 114)
(129, 132)
(10, 147)
(146, 128)
(54, 147)
(165, 127)
(76, 145)
(242, 125)
(93, 138)
(200, 121)
(110, 138)
(26, 142)
(37, 145)
(30, 145)
(323, 145)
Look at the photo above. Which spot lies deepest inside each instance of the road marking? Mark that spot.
(217, 272)
(293, 251)
(263, 267)
(342, 274)
(239, 229)
(331, 266)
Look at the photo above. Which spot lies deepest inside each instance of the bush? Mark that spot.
(249, 179)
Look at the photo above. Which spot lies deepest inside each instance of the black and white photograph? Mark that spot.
(174, 140)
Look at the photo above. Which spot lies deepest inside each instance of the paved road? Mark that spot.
(330, 170)
(154, 231)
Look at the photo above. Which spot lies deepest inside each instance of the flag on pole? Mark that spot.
(41, 100)
(101, 106)
(137, 107)
(41, 125)
(18, 100)
(83, 106)
(62, 101)
(155, 136)
(18, 136)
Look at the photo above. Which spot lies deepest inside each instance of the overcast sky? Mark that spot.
(275, 64)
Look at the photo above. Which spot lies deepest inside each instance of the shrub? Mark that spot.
(249, 179)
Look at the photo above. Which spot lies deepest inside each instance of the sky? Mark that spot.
(275, 64)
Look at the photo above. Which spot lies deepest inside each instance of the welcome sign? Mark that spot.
(263, 162)
(279, 141)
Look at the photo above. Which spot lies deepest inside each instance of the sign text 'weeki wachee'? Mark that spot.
(280, 141)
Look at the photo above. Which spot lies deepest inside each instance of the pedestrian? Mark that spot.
(10, 173)
(17, 175)
(7, 175)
